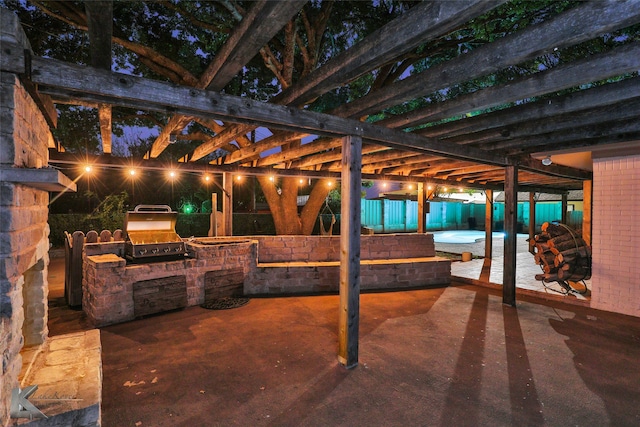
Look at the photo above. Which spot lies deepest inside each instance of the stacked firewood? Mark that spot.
(562, 253)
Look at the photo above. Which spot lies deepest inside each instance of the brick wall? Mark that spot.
(327, 248)
(24, 233)
(616, 233)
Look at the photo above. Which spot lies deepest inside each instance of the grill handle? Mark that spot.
(152, 208)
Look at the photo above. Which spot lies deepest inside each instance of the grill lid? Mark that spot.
(151, 232)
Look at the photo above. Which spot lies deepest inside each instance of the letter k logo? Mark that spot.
(21, 407)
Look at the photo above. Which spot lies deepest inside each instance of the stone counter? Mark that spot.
(114, 291)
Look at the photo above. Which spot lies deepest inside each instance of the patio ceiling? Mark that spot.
(454, 141)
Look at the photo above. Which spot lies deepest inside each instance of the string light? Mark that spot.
(88, 168)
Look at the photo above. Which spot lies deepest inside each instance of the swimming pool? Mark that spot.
(462, 236)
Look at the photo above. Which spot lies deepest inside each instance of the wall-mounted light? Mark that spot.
(547, 161)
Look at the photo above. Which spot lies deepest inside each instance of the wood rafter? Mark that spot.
(593, 18)
(419, 24)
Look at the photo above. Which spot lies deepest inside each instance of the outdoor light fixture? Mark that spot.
(132, 172)
(547, 161)
(271, 178)
(238, 178)
(87, 168)
(301, 181)
(330, 184)
(172, 174)
(207, 178)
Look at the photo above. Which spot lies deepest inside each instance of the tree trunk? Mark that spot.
(284, 206)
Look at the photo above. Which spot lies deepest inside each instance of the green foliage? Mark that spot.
(110, 212)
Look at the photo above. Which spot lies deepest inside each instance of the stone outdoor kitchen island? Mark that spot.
(114, 291)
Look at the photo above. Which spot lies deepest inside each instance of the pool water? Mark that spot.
(462, 236)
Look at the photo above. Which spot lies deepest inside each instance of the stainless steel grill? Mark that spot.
(151, 233)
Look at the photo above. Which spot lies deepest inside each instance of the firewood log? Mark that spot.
(567, 244)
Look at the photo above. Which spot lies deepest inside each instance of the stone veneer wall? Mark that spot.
(311, 264)
(24, 232)
(108, 282)
(327, 248)
(615, 282)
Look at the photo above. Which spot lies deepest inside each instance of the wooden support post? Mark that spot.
(227, 203)
(422, 228)
(564, 208)
(349, 317)
(532, 221)
(510, 237)
(485, 274)
(213, 222)
(587, 189)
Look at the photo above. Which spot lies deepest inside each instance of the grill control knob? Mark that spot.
(166, 250)
(142, 251)
(155, 250)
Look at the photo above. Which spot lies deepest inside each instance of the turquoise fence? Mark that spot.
(396, 216)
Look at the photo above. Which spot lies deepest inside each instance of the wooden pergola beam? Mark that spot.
(593, 18)
(241, 46)
(66, 80)
(582, 71)
(330, 156)
(593, 120)
(402, 162)
(582, 101)
(259, 25)
(100, 28)
(104, 116)
(254, 150)
(310, 148)
(423, 22)
(580, 135)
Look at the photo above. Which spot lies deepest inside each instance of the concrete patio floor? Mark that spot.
(452, 356)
